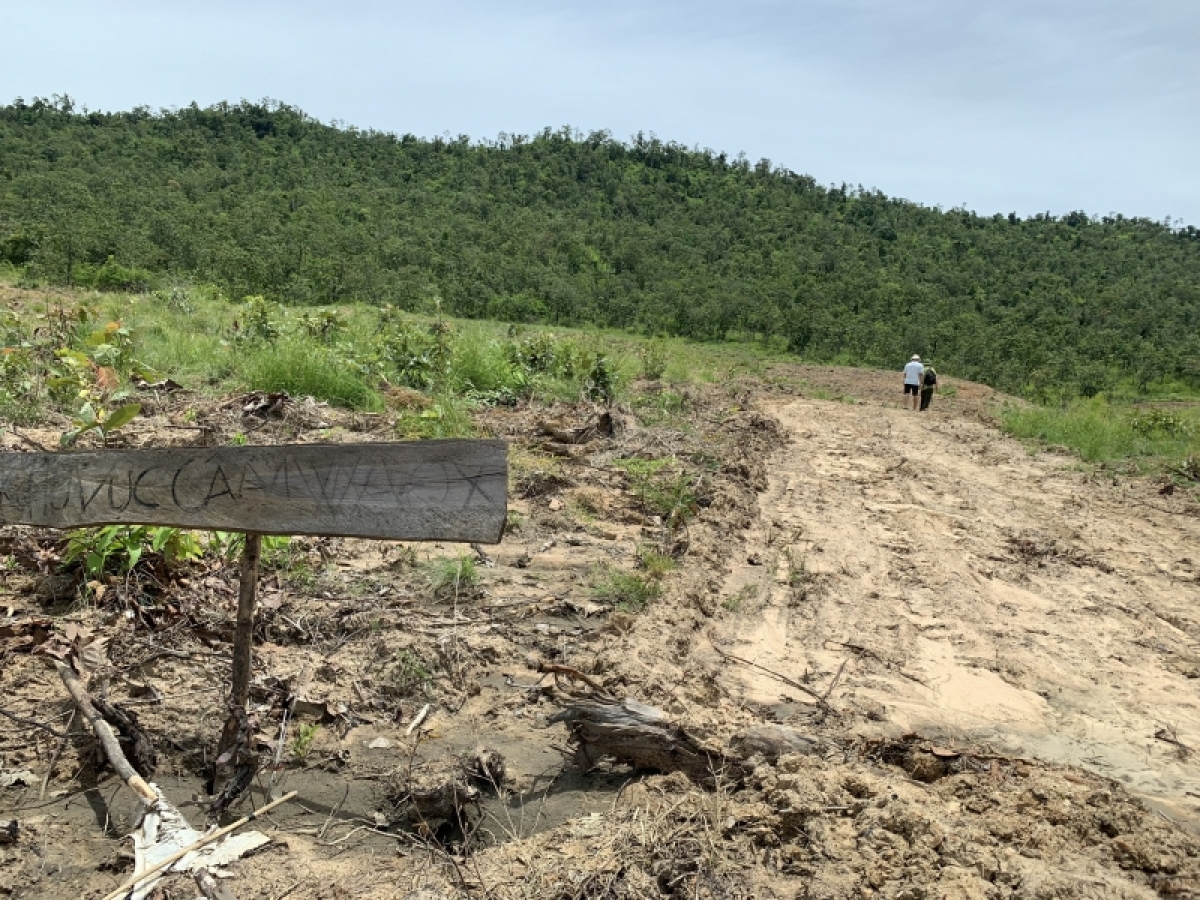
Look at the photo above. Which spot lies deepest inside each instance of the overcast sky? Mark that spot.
(1016, 105)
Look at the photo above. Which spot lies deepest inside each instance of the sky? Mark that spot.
(1019, 106)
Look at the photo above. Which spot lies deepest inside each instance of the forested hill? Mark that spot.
(569, 229)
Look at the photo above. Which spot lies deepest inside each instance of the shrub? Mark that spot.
(259, 322)
(324, 325)
(112, 276)
(409, 673)
(670, 494)
(654, 360)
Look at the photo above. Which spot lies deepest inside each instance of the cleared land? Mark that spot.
(1007, 643)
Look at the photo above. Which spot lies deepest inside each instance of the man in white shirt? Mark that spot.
(912, 381)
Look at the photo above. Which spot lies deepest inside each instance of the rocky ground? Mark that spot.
(993, 655)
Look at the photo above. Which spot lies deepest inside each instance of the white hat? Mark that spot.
(916, 357)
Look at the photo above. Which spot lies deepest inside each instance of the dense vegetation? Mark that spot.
(571, 229)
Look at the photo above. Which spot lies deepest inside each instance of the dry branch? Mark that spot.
(821, 701)
(105, 734)
(570, 672)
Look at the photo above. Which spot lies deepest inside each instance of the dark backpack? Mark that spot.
(930, 378)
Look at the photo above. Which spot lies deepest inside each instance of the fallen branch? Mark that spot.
(32, 724)
(646, 738)
(875, 655)
(556, 669)
(821, 701)
(1168, 736)
(62, 743)
(196, 845)
(104, 733)
(418, 719)
(639, 735)
(836, 678)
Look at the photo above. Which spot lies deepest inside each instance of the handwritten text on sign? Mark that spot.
(452, 490)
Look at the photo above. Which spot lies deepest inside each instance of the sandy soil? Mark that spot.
(982, 596)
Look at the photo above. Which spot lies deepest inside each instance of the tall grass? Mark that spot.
(1103, 432)
(304, 368)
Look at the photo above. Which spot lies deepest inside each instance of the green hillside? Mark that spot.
(571, 229)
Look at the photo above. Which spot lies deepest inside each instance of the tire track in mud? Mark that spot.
(981, 596)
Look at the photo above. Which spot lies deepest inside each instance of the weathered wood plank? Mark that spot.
(452, 490)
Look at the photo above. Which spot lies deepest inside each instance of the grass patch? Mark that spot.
(453, 576)
(1102, 432)
(656, 565)
(627, 591)
(304, 368)
(449, 416)
(736, 602)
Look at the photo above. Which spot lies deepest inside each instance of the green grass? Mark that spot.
(453, 576)
(216, 346)
(626, 591)
(1103, 432)
(304, 368)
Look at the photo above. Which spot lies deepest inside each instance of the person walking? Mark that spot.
(928, 387)
(913, 373)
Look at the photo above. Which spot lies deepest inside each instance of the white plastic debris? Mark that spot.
(164, 831)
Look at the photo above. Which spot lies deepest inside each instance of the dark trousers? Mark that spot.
(926, 396)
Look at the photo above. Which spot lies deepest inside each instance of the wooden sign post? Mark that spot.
(450, 490)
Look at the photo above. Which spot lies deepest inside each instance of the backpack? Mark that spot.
(930, 377)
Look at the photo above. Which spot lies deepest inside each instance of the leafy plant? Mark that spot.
(260, 321)
(653, 356)
(1149, 422)
(119, 548)
(454, 576)
(601, 380)
(93, 417)
(302, 743)
(228, 546)
(324, 325)
(409, 673)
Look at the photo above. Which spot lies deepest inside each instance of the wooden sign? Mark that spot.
(451, 490)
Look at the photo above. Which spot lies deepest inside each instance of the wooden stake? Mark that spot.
(243, 637)
(243, 647)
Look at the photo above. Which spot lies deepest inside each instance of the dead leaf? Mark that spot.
(107, 379)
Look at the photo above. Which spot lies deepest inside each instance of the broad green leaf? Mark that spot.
(122, 416)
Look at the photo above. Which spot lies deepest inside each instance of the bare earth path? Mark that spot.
(982, 596)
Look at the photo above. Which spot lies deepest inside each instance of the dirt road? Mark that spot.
(981, 595)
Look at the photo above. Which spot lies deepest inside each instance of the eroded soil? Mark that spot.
(1006, 642)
